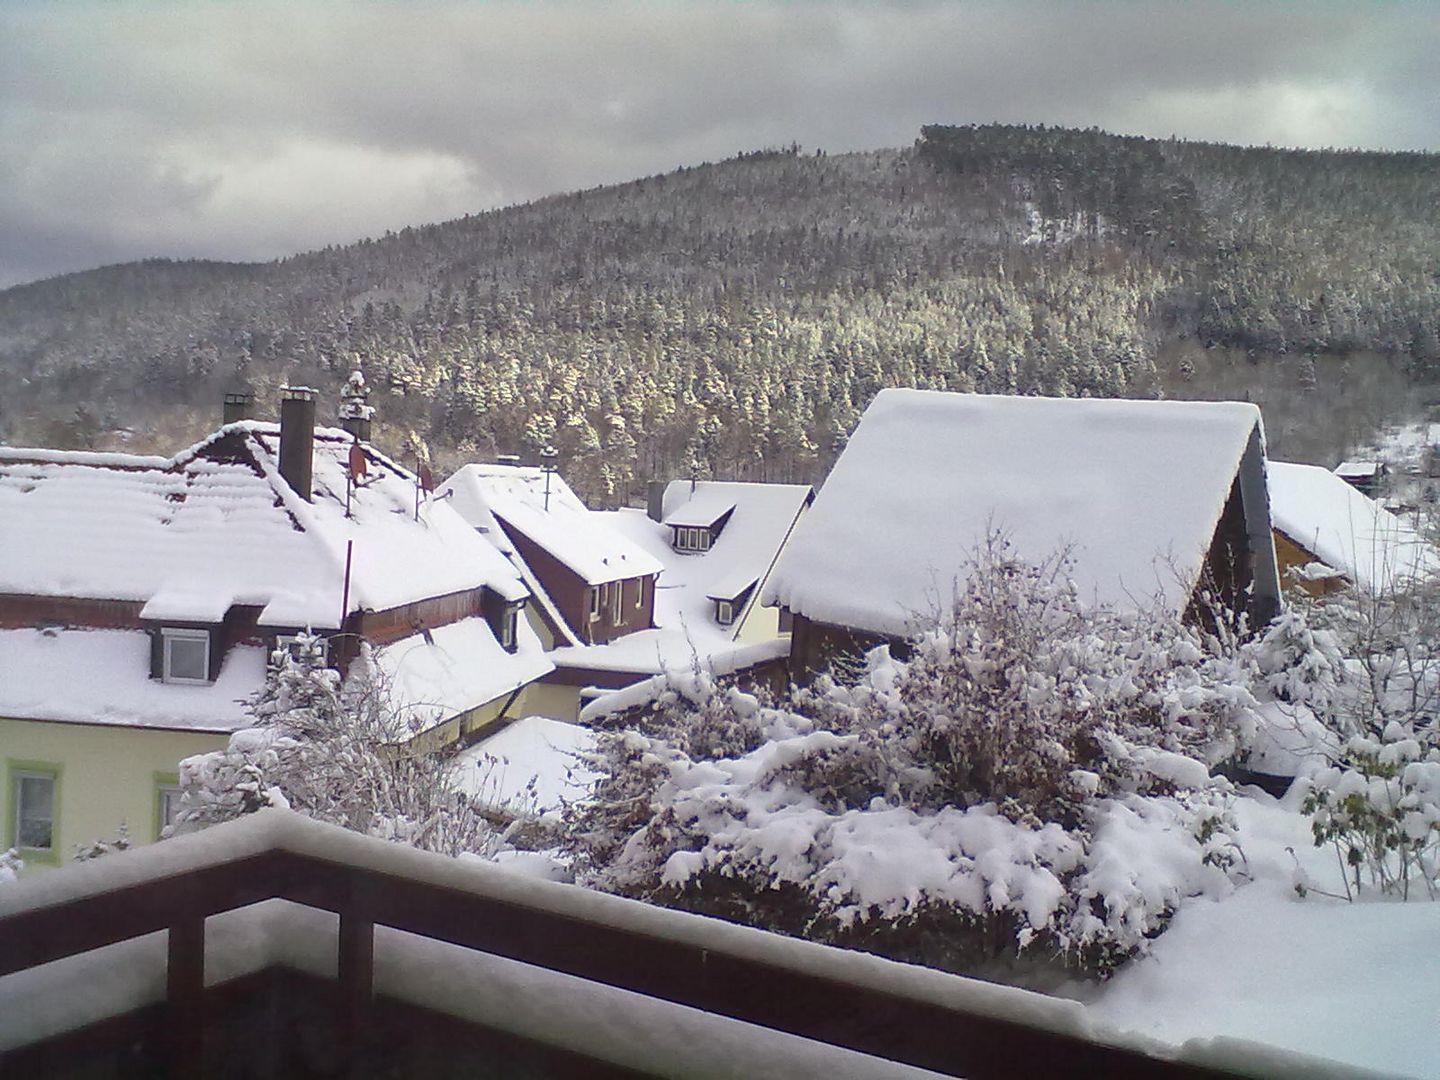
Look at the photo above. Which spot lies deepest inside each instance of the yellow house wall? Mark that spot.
(107, 776)
(548, 699)
(759, 624)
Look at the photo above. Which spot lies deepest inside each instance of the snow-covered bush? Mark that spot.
(1033, 777)
(97, 848)
(336, 752)
(1365, 669)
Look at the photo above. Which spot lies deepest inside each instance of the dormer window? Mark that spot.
(185, 656)
(692, 538)
(724, 612)
(508, 623)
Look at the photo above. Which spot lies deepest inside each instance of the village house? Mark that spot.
(1151, 500)
(1329, 536)
(140, 599)
(620, 596)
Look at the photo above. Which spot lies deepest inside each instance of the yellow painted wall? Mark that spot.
(759, 623)
(549, 699)
(107, 776)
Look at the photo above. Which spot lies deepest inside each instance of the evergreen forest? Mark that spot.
(733, 319)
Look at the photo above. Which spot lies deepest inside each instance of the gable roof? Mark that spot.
(1134, 489)
(760, 518)
(217, 525)
(1327, 517)
(560, 523)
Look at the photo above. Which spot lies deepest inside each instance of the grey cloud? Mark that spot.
(251, 131)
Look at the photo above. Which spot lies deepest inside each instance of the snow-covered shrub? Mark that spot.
(10, 865)
(336, 752)
(1034, 777)
(97, 848)
(1366, 669)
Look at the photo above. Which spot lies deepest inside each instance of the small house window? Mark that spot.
(167, 805)
(724, 612)
(692, 538)
(595, 603)
(294, 645)
(507, 628)
(640, 592)
(617, 601)
(186, 656)
(34, 810)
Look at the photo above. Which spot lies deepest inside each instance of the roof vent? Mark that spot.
(297, 439)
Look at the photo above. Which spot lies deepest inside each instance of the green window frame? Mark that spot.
(166, 784)
(17, 772)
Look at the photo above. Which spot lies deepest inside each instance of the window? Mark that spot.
(167, 803)
(640, 592)
(186, 656)
(291, 643)
(692, 538)
(595, 603)
(34, 807)
(507, 628)
(724, 612)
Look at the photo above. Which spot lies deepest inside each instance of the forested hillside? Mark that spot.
(736, 317)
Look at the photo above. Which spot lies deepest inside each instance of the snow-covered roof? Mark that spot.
(533, 766)
(558, 522)
(1318, 511)
(761, 517)
(103, 677)
(1134, 489)
(459, 667)
(217, 525)
(1359, 469)
(699, 504)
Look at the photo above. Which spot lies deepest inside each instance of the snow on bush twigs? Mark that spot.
(1034, 776)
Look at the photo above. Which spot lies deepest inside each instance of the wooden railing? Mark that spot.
(799, 998)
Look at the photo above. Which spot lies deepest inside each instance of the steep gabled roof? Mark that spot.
(217, 525)
(1134, 489)
(1321, 513)
(760, 517)
(558, 522)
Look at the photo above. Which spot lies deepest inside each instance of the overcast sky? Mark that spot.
(248, 130)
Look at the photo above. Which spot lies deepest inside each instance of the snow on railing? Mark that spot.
(617, 980)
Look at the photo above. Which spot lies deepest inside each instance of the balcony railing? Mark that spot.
(863, 1003)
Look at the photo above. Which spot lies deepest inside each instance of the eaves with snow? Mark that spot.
(215, 530)
(1326, 517)
(1133, 490)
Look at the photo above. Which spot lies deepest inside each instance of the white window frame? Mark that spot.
(692, 538)
(725, 612)
(508, 627)
(596, 603)
(639, 593)
(170, 634)
(617, 602)
(19, 776)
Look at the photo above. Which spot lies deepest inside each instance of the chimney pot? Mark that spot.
(297, 439)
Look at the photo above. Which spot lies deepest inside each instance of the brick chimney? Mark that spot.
(297, 439)
(238, 407)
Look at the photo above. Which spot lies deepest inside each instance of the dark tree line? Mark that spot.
(735, 318)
